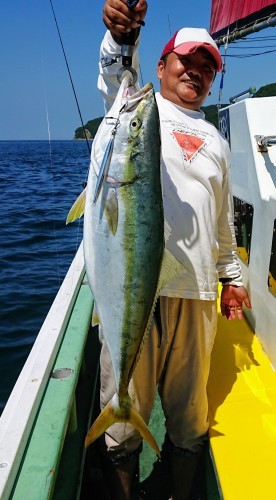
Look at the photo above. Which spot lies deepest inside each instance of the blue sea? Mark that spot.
(39, 182)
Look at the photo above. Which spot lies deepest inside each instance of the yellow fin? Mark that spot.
(77, 209)
(95, 318)
(171, 268)
(111, 210)
(125, 413)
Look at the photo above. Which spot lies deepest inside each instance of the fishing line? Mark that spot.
(78, 107)
(52, 177)
(71, 79)
(52, 170)
(169, 23)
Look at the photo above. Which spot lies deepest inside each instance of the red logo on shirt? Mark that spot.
(190, 144)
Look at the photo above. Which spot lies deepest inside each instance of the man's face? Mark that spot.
(186, 80)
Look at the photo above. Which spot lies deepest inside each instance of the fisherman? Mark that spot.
(198, 207)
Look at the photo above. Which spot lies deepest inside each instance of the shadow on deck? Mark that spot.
(153, 477)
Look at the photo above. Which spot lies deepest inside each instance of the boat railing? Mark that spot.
(48, 378)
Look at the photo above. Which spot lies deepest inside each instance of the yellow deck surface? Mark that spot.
(242, 400)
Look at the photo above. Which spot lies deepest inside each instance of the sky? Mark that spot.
(36, 97)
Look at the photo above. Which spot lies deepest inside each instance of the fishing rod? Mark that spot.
(71, 79)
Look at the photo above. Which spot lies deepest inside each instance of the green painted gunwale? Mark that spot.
(63, 415)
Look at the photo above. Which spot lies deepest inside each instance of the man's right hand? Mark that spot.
(118, 18)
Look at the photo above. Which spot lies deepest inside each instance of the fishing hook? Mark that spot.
(128, 42)
(107, 158)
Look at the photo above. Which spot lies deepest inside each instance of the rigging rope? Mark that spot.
(71, 80)
(242, 44)
(235, 45)
(241, 56)
(222, 72)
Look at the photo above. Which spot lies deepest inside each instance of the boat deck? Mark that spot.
(242, 411)
(152, 479)
(52, 464)
(240, 460)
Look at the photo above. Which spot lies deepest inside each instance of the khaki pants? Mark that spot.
(179, 368)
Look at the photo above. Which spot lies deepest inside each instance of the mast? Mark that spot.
(241, 33)
(233, 19)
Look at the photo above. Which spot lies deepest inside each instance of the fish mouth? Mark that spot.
(143, 91)
(133, 95)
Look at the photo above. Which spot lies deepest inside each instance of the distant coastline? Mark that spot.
(211, 114)
(91, 128)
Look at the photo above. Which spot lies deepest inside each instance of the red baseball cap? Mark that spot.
(188, 40)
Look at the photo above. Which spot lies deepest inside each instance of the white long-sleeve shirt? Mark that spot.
(197, 195)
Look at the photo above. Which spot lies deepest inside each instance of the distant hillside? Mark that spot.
(91, 128)
(211, 113)
(266, 91)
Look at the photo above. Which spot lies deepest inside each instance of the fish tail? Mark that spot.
(136, 420)
(125, 414)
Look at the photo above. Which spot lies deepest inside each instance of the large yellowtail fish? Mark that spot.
(124, 240)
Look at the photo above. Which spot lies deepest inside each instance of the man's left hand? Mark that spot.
(232, 299)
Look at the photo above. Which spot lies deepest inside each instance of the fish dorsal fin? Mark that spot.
(170, 268)
(77, 209)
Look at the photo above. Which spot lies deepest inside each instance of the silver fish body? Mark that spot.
(123, 268)
(124, 229)
(124, 240)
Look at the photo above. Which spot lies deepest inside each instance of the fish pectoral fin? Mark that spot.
(111, 203)
(170, 269)
(112, 414)
(77, 209)
(119, 184)
(111, 210)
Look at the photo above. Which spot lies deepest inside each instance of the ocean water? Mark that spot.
(39, 182)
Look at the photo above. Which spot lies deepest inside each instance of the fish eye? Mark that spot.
(135, 125)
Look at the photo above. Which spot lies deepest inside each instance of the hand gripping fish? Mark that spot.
(124, 240)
